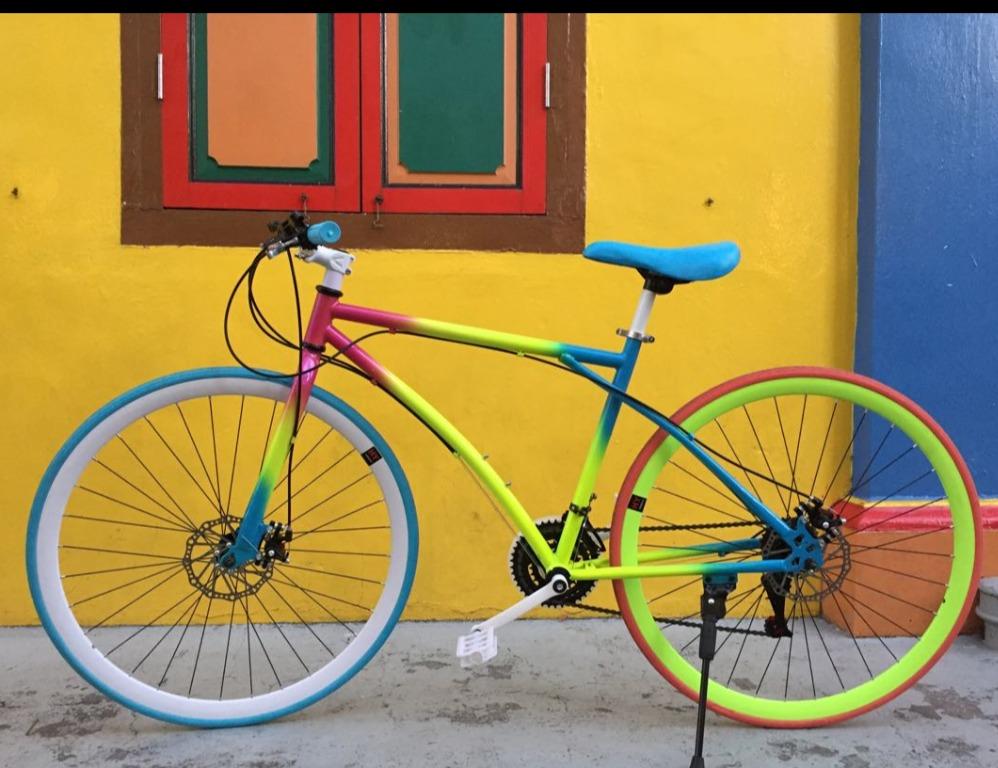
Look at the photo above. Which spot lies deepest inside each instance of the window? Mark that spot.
(414, 130)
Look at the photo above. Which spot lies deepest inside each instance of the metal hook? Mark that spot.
(377, 223)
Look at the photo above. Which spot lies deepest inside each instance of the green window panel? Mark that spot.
(451, 92)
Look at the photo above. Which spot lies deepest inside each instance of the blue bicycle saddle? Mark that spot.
(697, 262)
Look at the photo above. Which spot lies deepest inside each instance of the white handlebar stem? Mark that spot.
(337, 264)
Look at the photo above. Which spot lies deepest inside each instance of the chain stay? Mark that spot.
(680, 622)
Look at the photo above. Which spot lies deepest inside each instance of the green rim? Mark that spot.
(934, 637)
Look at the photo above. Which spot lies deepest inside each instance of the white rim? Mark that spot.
(64, 623)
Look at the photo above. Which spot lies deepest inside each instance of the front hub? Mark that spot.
(206, 548)
(237, 548)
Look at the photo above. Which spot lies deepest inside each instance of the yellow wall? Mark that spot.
(759, 113)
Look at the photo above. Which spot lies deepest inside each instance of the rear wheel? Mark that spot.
(131, 512)
(897, 579)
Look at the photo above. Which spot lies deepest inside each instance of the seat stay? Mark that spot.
(751, 503)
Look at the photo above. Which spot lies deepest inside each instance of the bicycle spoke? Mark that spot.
(824, 444)
(877, 474)
(330, 573)
(845, 621)
(309, 590)
(869, 626)
(715, 489)
(807, 648)
(135, 508)
(845, 453)
(800, 434)
(330, 497)
(214, 453)
(732, 632)
(323, 529)
(197, 451)
(315, 479)
(212, 502)
(862, 476)
(899, 514)
(153, 621)
(341, 552)
(204, 626)
(738, 459)
(133, 601)
(180, 641)
(300, 619)
(790, 652)
(156, 480)
(698, 503)
(119, 552)
(148, 576)
(765, 458)
(828, 653)
(786, 446)
(138, 490)
(776, 647)
(308, 453)
(235, 453)
(112, 570)
(125, 522)
(228, 643)
(745, 637)
(195, 598)
(894, 571)
(325, 526)
(323, 607)
(280, 631)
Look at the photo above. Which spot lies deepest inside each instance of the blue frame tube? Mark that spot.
(754, 506)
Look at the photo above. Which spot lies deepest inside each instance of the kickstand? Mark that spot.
(712, 608)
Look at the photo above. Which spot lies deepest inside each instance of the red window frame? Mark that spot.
(528, 197)
(358, 167)
(180, 191)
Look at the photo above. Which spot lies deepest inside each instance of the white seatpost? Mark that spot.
(641, 314)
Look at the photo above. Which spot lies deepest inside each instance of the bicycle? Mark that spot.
(174, 490)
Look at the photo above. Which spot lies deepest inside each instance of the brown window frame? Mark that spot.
(144, 220)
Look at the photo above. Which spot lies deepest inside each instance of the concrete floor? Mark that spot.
(534, 705)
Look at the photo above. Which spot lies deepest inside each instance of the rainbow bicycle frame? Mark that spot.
(824, 552)
(322, 333)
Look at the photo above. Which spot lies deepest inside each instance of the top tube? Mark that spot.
(510, 342)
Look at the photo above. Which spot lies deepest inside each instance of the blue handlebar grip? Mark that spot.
(324, 233)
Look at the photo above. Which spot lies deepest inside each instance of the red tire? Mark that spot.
(694, 406)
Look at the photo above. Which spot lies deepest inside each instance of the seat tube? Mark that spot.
(604, 428)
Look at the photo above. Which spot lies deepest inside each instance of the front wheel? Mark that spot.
(128, 519)
(897, 578)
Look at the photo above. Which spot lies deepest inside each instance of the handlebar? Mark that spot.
(296, 232)
(324, 233)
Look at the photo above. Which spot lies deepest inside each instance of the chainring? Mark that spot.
(529, 577)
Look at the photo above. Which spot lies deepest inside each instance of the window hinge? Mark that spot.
(159, 76)
(547, 84)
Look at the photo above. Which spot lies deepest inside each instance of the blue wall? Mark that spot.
(928, 225)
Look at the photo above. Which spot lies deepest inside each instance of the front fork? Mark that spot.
(245, 546)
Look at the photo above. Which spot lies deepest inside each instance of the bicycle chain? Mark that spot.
(691, 527)
(680, 622)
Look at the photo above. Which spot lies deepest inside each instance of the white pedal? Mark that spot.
(481, 644)
(480, 647)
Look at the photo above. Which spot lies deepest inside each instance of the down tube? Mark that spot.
(461, 445)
